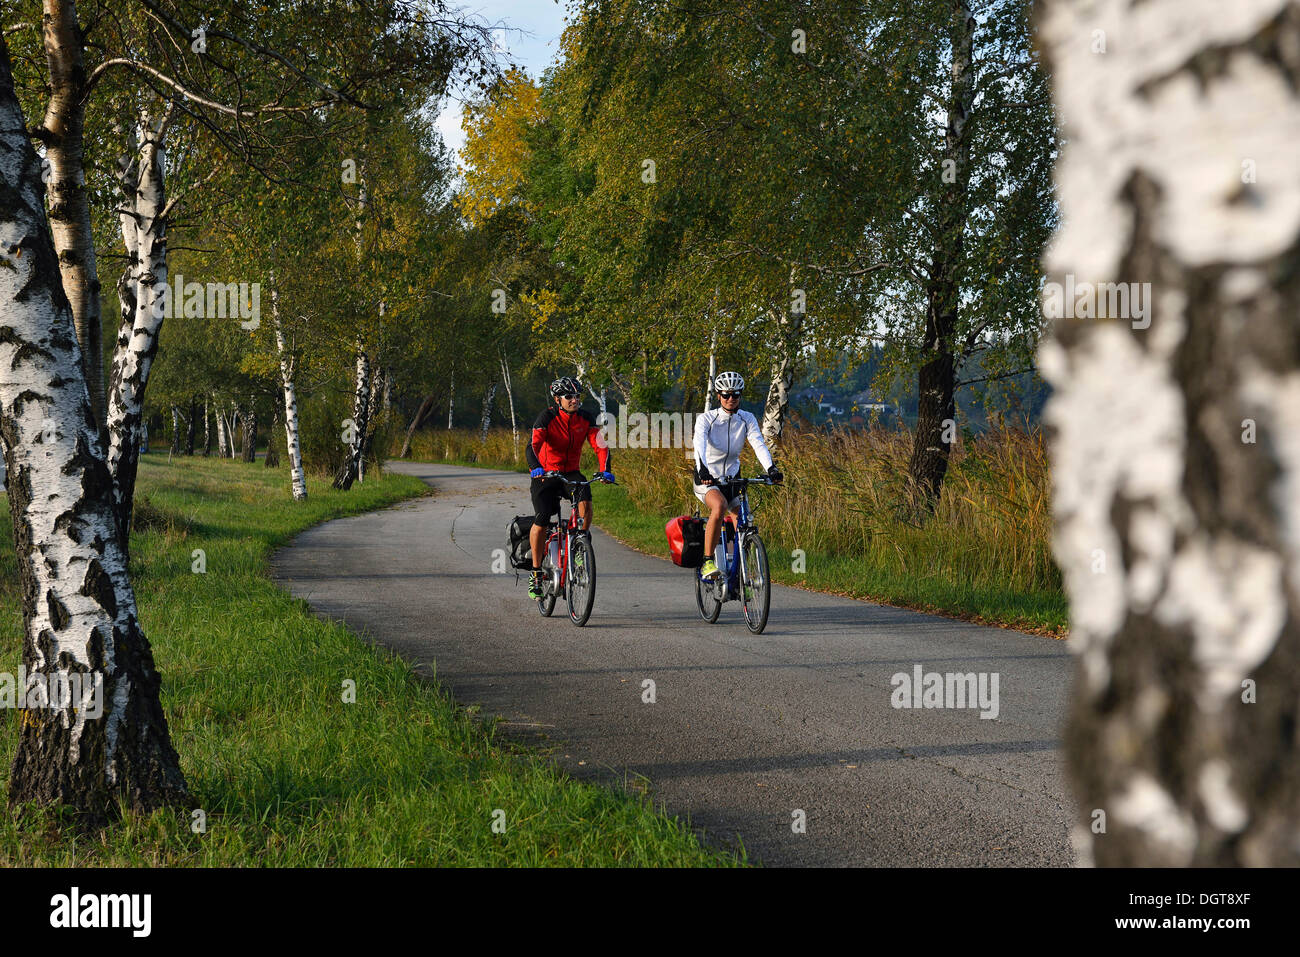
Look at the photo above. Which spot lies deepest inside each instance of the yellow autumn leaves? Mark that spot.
(496, 152)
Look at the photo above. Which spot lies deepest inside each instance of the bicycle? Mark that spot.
(568, 562)
(742, 569)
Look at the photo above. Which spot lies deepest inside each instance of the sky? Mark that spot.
(529, 35)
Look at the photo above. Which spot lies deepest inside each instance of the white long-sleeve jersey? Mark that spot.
(719, 437)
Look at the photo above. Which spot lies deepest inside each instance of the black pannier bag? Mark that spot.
(521, 551)
(686, 540)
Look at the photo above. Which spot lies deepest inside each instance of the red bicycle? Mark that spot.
(568, 562)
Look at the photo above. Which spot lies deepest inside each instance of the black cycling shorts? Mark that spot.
(548, 492)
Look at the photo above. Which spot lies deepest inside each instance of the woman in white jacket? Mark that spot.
(720, 434)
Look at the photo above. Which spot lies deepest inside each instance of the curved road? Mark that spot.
(745, 730)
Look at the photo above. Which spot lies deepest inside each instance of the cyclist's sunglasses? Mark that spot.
(566, 395)
(728, 395)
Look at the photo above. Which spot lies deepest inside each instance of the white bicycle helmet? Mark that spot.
(729, 382)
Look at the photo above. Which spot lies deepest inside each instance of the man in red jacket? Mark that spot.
(558, 437)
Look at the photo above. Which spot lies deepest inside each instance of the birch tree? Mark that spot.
(293, 448)
(895, 156)
(1176, 425)
(81, 631)
(153, 57)
(63, 133)
(143, 218)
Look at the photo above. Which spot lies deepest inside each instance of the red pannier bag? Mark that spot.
(686, 540)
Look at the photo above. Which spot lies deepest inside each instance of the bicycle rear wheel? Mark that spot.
(582, 580)
(756, 588)
(546, 604)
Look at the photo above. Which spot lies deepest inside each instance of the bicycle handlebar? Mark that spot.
(737, 480)
(568, 481)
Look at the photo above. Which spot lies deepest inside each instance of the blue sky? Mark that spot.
(530, 35)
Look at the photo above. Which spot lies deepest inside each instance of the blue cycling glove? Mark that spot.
(536, 473)
(605, 477)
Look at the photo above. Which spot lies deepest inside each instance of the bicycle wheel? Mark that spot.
(582, 580)
(708, 597)
(756, 589)
(546, 604)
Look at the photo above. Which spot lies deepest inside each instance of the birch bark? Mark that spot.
(297, 477)
(81, 631)
(63, 132)
(351, 467)
(1176, 428)
(144, 234)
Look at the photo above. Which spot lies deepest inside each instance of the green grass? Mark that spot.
(286, 772)
(983, 556)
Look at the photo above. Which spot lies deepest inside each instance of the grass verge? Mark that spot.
(286, 773)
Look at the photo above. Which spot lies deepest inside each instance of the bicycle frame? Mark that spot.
(564, 530)
(733, 556)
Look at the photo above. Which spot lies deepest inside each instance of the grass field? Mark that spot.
(286, 773)
(984, 555)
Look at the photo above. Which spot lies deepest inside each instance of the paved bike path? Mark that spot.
(745, 729)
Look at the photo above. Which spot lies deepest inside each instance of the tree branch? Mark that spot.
(994, 378)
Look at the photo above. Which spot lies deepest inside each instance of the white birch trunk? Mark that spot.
(777, 405)
(351, 468)
(144, 234)
(64, 137)
(297, 477)
(510, 398)
(374, 413)
(713, 370)
(80, 625)
(232, 429)
(1176, 426)
(223, 437)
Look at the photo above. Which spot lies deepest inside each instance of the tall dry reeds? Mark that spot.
(847, 497)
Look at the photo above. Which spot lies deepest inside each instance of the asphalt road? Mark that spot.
(745, 729)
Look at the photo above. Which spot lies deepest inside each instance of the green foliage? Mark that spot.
(777, 170)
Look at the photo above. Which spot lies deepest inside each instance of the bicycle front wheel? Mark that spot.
(708, 596)
(546, 604)
(756, 587)
(582, 580)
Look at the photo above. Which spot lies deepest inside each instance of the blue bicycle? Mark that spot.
(742, 566)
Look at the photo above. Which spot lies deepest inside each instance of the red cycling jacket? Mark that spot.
(557, 441)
